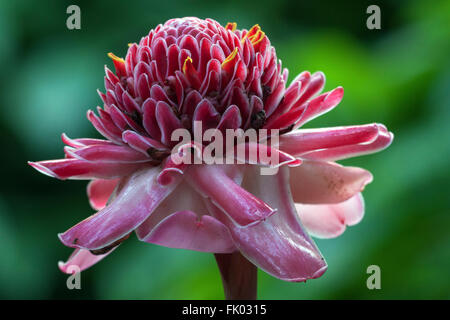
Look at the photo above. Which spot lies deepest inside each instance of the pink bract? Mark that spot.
(197, 70)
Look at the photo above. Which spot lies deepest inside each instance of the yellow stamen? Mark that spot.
(231, 26)
(257, 37)
(230, 57)
(253, 30)
(185, 64)
(256, 26)
(115, 58)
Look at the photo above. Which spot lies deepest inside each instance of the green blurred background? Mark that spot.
(399, 75)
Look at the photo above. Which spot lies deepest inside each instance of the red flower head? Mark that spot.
(190, 72)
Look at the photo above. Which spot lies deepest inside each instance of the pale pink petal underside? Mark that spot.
(186, 230)
(180, 221)
(319, 182)
(80, 260)
(99, 191)
(330, 220)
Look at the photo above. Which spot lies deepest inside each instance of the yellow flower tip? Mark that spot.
(231, 26)
(185, 64)
(115, 58)
(255, 35)
(130, 44)
(253, 30)
(230, 57)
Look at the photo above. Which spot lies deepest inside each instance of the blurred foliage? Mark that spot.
(399, 75)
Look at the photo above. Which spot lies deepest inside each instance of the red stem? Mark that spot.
(239, 276)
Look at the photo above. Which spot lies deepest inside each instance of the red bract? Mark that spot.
(196, 70)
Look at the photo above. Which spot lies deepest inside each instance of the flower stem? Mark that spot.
(239, 276)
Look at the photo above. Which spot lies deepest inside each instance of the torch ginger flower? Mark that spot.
(191, 70)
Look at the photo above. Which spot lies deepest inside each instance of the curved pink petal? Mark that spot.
(80, 259)
(274, 99)
(330, 220)
(81, 169)
(184, 197)
(320, 105)
(82, 142)
(318, 182)
(145, 145)
(167, 121)
(187, 230)
(148, 119)
(206, 114)
(383, 141)
(313, 84)
(286, 120)
(136, 200)
(123, 121)
(180, 221)
(106, 153)
(171, 168)
(291, 95)
(278, 245)
(104, 127)
(99, 191)
(211, 181)
(231, 119)
(304, 140)
(302, 113)
(262, 154)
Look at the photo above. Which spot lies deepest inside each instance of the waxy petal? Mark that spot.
(241, 206)
(312, 85)
(318, 182)
(383, 140)
(231, 119)
(320, 105)
(82, 142)
(298, 142)
(207, 115)
(184, 197)
(106, 153)
(274, 99)
(262, 154)
(80, 260)
(185, 230)
(167, 121)
(278, 245)
(99, 191)
(106, 128)
(85, 170)
(330, 220)
(171, 168)
(180, 221)
(136, 200)
(149, 120)
(144, 144)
